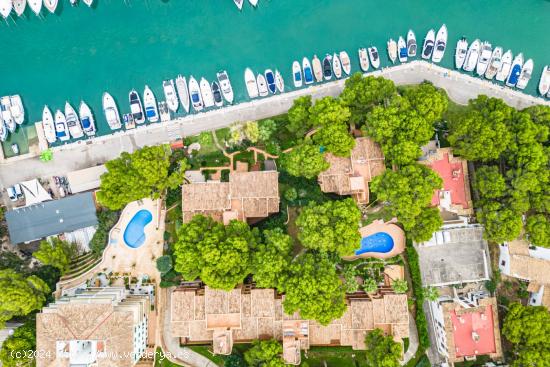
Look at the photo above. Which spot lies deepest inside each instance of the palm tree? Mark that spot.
(46, 155)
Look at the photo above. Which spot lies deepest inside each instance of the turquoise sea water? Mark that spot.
(79, 52)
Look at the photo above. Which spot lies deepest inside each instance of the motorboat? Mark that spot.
(170, 95)
(544, 83)
(3, 132)
(164, 111)
(35, 5)
(15, 148)
(297, 74)
(150, 105)
(428, 46)
(374, 57)
(16, 109)
(48, 125)
(129, 122)
(73, 123)
(51, 5)
(402, 52)
(253, 2)
(346, 62)
(327, 67)
(195, 94)
(225, 86)
(239, 4)
(216, 92)
(6, 7)
(206, 93)
(270, 79)
(494, 64)
(183, 92)
(411, 44)
(515, 71)
(86, 119)
(6, 114)
(308, 72)
(505, 66)
(73, 2)
(392, 50)
(251, 84)
(440, 44)
(90, 3)
(484, 58)
(136, 108)
(526, 73)
(460, 53)
(472, 56)
(336, 66)
(279, 81)
(19, 6)
(317, 69)
(110, 110)
(363, 59)
(262, 85)
(61, 129)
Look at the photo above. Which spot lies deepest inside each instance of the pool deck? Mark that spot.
(88, 153)
(396, 233)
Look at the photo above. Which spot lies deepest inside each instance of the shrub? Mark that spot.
(418, 292)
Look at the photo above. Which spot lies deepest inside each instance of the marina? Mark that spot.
(85, 54)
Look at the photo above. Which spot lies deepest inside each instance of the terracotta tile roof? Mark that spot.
(525, 266)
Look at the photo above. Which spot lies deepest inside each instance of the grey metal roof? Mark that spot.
(51, 218)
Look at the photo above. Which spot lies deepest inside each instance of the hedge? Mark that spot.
(418, 292)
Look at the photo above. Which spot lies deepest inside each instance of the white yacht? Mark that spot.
(279, 81)
(411, 44)
(90, 3)
(472, 56)
(251, 84)
(262, 85)
(206, 93)
(51, 5)
(170, 94)
(195, 94)
(19, 6)
(86, 119)
(239, 4)
(308, 72)
(110, 110)
(225, 86)
(16, 109)
(35, 5)
(61, 129)
(317, 69)
(253, 2)
(363, 59)
(270, 79)
(164, 111)
(48, 125)
(150, 105)
(346, 63)
(484, 58)
(392, 50)
(136, 107)
(5, 107)
(428, 47)
(183, 92)
(515, 71)
(402, 52)
(297, 74)
(440, 44)
(494, 64)
(544, 83)
(336, 66)
(505, 66)
(6, 7)
(526, 73)
(374, 57)
(73, 123)
(217, 93)
(460, 53)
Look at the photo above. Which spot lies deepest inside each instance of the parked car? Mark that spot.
(11, 193)
(18, 191)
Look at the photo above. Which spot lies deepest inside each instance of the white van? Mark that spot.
(11, 193)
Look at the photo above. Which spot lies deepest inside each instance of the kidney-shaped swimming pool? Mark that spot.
(134, 234)
(380, 242)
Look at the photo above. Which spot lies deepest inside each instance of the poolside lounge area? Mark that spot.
(386, 239)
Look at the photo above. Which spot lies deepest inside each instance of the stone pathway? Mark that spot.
(413, 341)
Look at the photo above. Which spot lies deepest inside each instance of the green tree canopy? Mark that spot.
(382, 351)
(489, 182)
(266, 129)
(265, 353)
(501, 223)
(272, 259)
(329, 111)
(370, 285)
(425, 224)
(56, 253)
(332, 226)
(350, 278)
(538, 228)
(298, 116)
(400, 286)
(336, 139)
(16, 348)
(20, 295)
(431, 293)
(142, 174)
(314, 289)
(164, 264)
(428, 101)
(305, 160)
(220, 255)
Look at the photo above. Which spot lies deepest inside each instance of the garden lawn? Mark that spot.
(334, 357)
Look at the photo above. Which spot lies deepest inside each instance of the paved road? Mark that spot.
(84, 154)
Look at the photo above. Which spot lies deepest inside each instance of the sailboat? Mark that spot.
(136, 108)
(411, 44)
(525, 75)
(6, 114)
(251, 84)
(110, 110)
(392, 50)
(225, 86)
(317, 69)
(19, 6)
(308, 73)
(61, 130)
(170, 94)
(270, 79)
(345, 61)
(472, 56)
(48, 125)
(515, 71)
(51, 5)
(262, 85)
(374, 57)
(150, 105)
(195, 94)
(460, 53)
(73, 123)
(239, 4)
(35, 5)
(336, 66)
(402, 50)
(494, 64)
(544, 83)
(363, 59)
(440, 44)
(279, 81)
(428, 47)
(183, 92)
(505, 66)
(5, 8)
(206, 93)
(16, 109)
(484, 58)
(87, 119)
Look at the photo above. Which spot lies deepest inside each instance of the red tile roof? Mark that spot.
(474, 333)
(452, 173)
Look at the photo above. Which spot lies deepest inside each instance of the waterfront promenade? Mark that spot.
(82, 154)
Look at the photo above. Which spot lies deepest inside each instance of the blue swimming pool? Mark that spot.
(378, 242)
(134, 234)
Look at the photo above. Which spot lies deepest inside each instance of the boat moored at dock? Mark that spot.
(48, 125)
(460, 53)
(206, 93)
(251, 84)
(61, 129)
(225, 86)
(525, 75)
(170, 95)
(428, 46)
(515, 71)
(150, 105)
(411, 44)
(505, 66)
(440, 44)
(136, 108)
(110, 110)
(86, 119)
